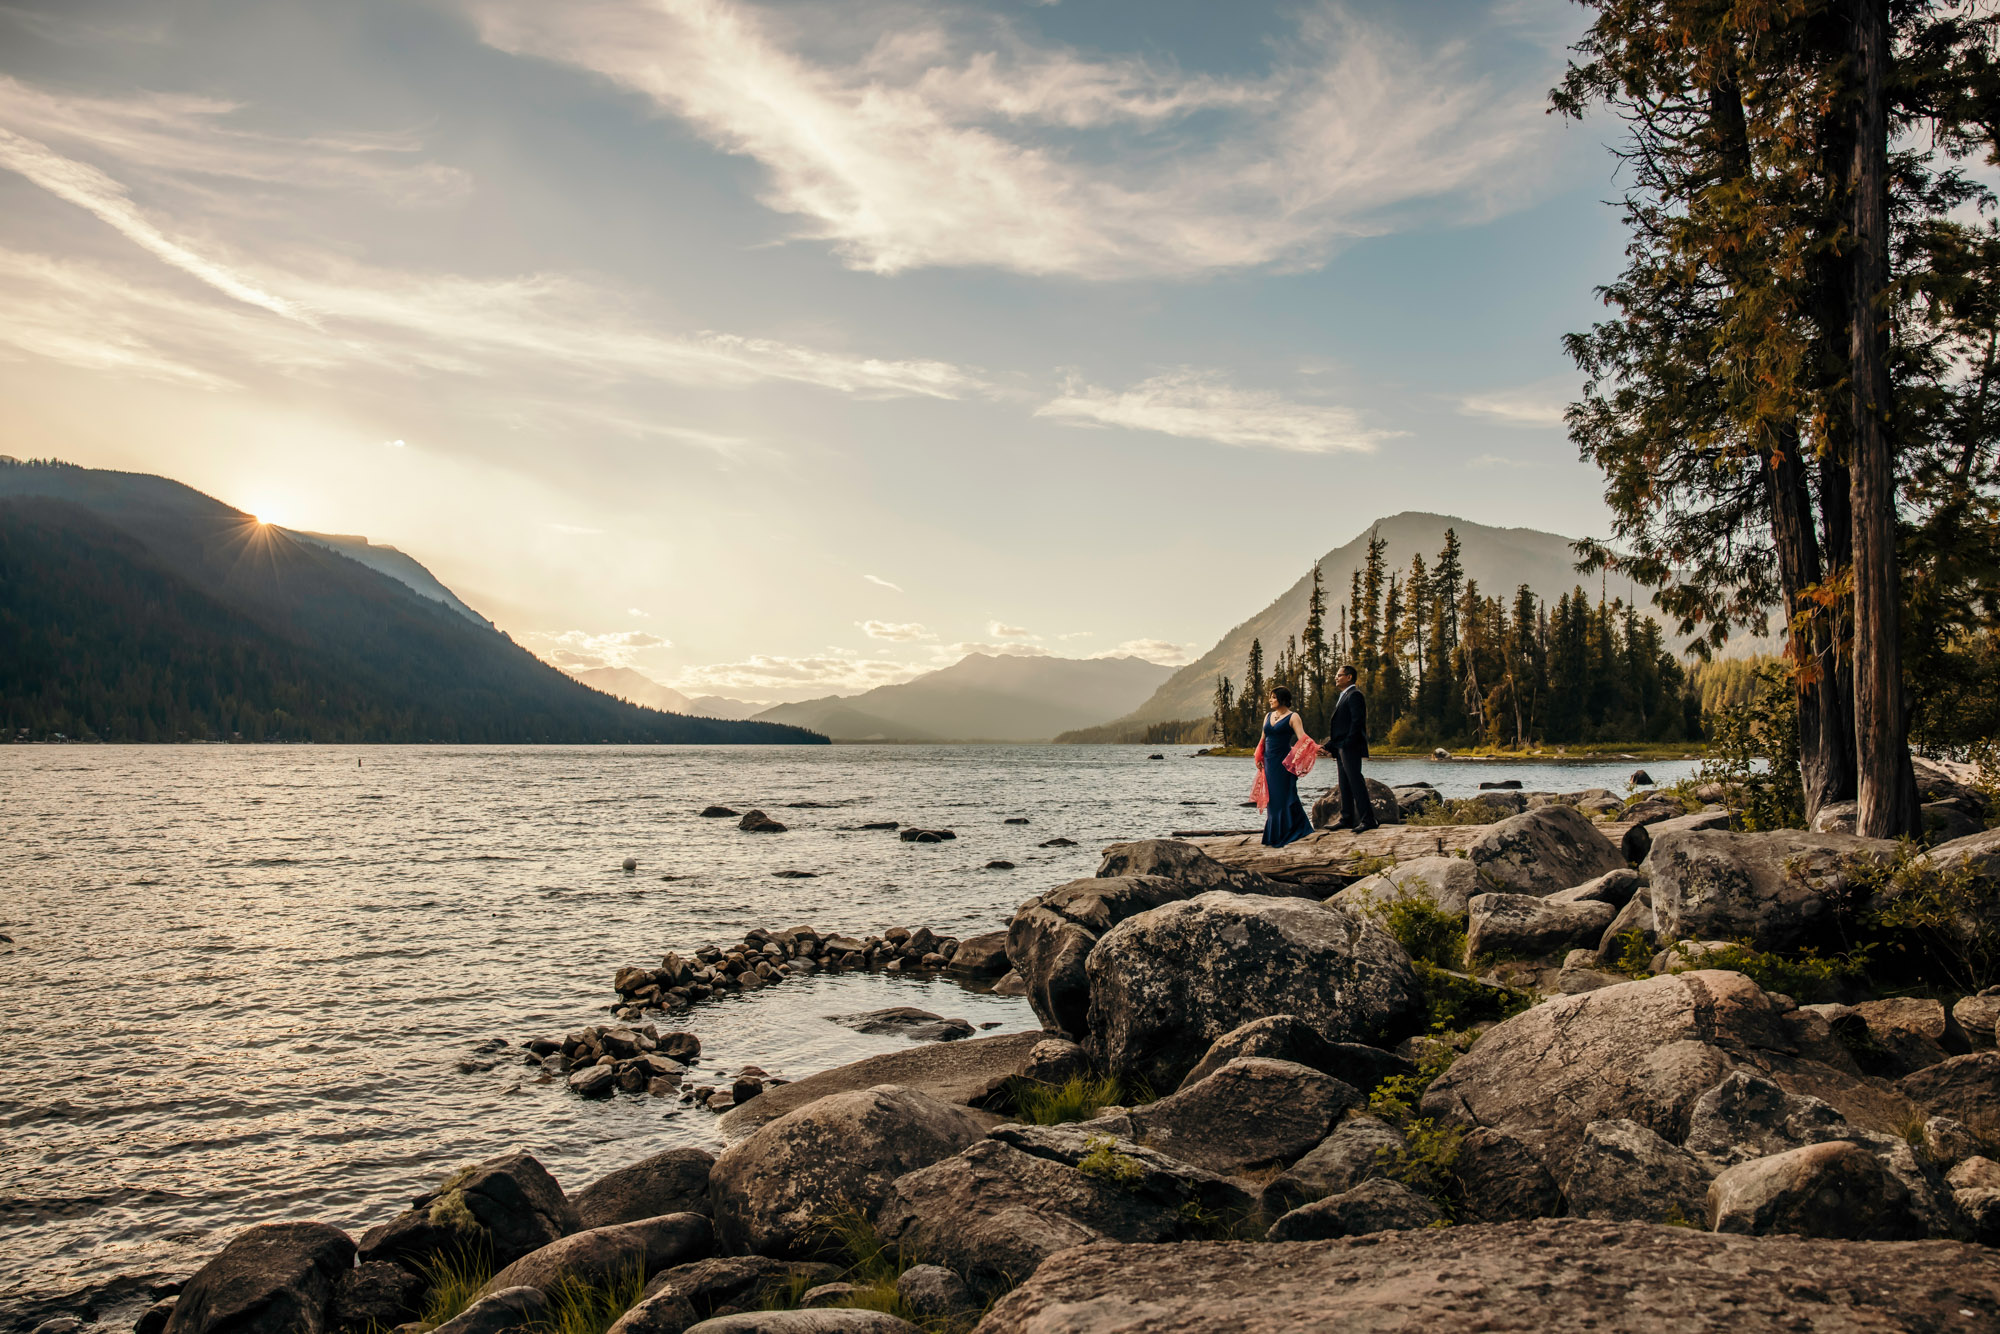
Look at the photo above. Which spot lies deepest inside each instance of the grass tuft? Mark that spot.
(453, 1276)
(579, 1307)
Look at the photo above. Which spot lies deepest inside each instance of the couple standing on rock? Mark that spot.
(1285, 754)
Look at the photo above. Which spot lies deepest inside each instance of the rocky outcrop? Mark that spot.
(1747, 1116)
(1978, 1017)
(1907, 1033)
(1635, 918)
(504, 1207)
(672, 1182)
(1052, 935)
(1520, 1276)
(277, 1278)
(1522, 926)
(1780, 890)
(1285, 1037)
(374, 1293)
(602, 1254)
(1623, 1172)
(994, 1212)
(1376, 1205)
(1616, 888)
(1504, 1178)
(1541, 851)
(1964, 1088)
(1359, 1149)
(1186, 865)
(1639, 839)
(934, 1292)
(1837, 1189)
(1644, 1051)
(967, 1073)
(1252, 1114)
(756, 822)
(772, 1192)
(1166, 983)
(1448, 882)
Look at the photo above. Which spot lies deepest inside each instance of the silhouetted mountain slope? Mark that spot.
(405, 570)
(982, 698)
(134, 608)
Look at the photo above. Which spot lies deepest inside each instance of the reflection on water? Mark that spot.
(253, 983)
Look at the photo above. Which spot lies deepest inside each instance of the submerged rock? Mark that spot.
(906, 1021)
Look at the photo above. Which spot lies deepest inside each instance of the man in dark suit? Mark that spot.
(1348, 740)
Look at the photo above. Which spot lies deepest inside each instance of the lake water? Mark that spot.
(255, 983)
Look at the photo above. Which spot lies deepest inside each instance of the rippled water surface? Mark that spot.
(250, 983)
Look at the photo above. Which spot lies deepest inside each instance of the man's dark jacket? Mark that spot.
(1349, 732)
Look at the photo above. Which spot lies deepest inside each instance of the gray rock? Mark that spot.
(772, 1191)
(1557, 1276)
(1414, 800)
(498, 1312)
(1624, 1172)
(1616, 888)
(1907, 1033)
(994, 1212)
(971, 1072)
(276, 1278)
(827, 1294)
(1777, 889)
(154, 1318)
(1448, 882)
(756, 822)
(657, 1313)
(1382, 798)
(934, 1292)
(594, 1081)
(687, 1294)
(1165, 984)
(1979, 851)
(1056, 1061)
(1640, 838)
(1747, 1116)
(1837, 817)
(606, 1253)
(1523, 926)
(1978, 1017)
(1542, 851)
(1252, 1114)
(1186, 865)
(377, 1293)
(1051, 937)
(1285, 1037)
(839, 1321)
(1011, 983)
(1949, 821)
(1359, 1149)
(1645, 1051)
(1504, 1178)
(1376, 1205)
(1980, 1208)
(673, 1182)
(1838, 1189)
(1635, 916)
(981, 956)
(1964, 1088)
(906, 1021)
(504, 1207)
(1947, 1143)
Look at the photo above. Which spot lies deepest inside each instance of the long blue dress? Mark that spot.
(1285, 817)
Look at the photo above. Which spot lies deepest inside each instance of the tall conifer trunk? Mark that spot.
(1886, 788)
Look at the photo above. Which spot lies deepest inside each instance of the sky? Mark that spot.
(791, 348)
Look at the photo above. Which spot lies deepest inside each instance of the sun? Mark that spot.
(269, 512)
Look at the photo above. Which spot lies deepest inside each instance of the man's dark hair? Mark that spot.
(1346, 669)
(1282, 695)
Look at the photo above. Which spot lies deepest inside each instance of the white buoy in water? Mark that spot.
(631, 863)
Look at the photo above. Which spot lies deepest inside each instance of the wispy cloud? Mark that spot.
(950, 653)
(1540, 404)
(910, 633)
(1001, 630)
(884, 583)
(1164, 652)
(1200, 405)
(1499, 461)
(583, 649)
(935, 146)
(795, 677)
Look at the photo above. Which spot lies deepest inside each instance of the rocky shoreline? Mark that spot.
(1590, 1063)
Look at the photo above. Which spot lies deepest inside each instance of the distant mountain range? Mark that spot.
(638, 688)
(1498, 559)
(133, 608)
(983, 698)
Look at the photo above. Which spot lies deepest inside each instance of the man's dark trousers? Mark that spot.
(1355, 808)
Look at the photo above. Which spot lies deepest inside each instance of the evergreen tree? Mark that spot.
(1314, 704)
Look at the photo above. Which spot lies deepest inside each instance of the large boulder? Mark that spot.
(1635, 918)
(504, 1208)
(1523, 926)
(1285, 1037)
(1359, 1149)
(1907, 1033)
(375, 1293)
(1780, 890)
(1639, 839)
(1645, 1051)
(1557, 1276)
(1979, 851)
(1747, 1116)
(602, 1254)
(1165, 984)
(1836, 1189)
(1052, 935)
(1978, 1017)
(984, 955)
(678, 1298)
(836, 1320)
(994, 1212)
(1616, 888)
(1252, 1114)
(772, 1192)
(1376, 1205)
(1504, 1178)
(1624, 1172)
(1541, 851)
(672, 1182)
(971, 1073)
(276, 1278)
(1185, 864)
(1447, 882)
(499, 1312)
(1964, 1088)
(1326, 810)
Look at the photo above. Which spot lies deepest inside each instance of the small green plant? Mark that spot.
(1458, 811)
(1452, 1001)
(579, 1307)
(1805, 975)
(1984, 757)
(873, 1267)
(1106, 1164)
(454, 1276)
(1676, 1217)
(1946, 918)
(1077, 1098)
(1753, 751)
(1424, 930)
(1427, 1161)
(1634, 957)
(1367, 866)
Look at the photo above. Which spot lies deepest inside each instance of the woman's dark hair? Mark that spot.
(1282, 695)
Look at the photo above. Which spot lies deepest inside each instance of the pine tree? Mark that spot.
(1225, 710)
(1313, 646)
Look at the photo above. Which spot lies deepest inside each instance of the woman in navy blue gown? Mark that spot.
(1279, 754)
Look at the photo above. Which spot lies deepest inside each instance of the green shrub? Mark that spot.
(1804, 975)
(1753, 750)
(1457, 811)
(1452, 1001)
(1424, 930)
(1941, 922)
(577, 1307)
(454, 1277)
(1428, 1161)
(1635, 956)
(1106, 1164)
(1078, 1098)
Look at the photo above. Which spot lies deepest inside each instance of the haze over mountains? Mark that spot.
(643, 690)
(133, 608)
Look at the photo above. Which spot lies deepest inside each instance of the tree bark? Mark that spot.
(1886, 787)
